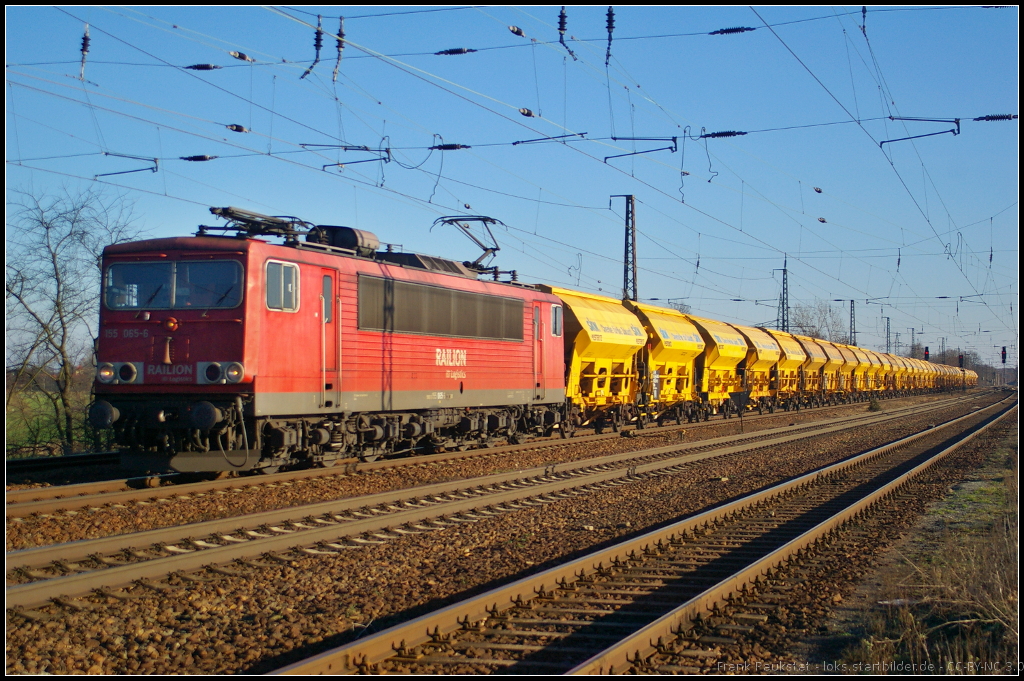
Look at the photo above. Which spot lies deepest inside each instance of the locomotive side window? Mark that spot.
(282, 286)
(173, 285)
(556, 320)
(328, 299)
(404, 307)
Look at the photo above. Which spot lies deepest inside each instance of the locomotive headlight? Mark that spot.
(234, 372)
(127, 373)
(213, 372)
(105, 372)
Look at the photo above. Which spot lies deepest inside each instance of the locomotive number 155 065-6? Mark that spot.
(126, 333)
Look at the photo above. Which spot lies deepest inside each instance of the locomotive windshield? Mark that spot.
(173, 285)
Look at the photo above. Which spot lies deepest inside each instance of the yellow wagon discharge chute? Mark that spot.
(601, 339)
(674, 345)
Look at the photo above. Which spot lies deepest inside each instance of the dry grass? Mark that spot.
(958, 612)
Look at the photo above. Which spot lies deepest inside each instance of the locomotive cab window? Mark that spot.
(177, 285)
(282, 286)
(328, 299)
(556, 320)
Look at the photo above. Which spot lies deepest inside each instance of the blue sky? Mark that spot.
(894, 226)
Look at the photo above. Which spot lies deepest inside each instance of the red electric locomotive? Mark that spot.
(232, 353)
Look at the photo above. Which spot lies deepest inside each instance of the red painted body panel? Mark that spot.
(293, 352)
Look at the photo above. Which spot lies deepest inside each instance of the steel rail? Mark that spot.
(72, 497)
(83, 549)
(42, 463)
(491, 491)
(643, 643)
(375, 649)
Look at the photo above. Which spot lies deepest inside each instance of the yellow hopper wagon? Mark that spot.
(835, 374)
(858, 377)
(786, 375)
(812, 382)
(847, 374)
(668, 388)
(884, 379)
(873, 374)
(901, 381)
(602, 339)
(725, 349)
(917, 373)
(763, 354)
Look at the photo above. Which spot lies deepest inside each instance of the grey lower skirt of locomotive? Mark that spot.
(161, 435)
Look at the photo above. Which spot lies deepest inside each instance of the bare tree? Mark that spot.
(819, 320)
(54, 246)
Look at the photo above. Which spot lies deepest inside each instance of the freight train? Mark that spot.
(279, 343)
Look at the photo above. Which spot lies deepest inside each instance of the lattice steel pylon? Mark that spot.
(853, 325)
(782, 320)
(629, 286)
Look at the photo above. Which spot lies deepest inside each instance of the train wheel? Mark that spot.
(268, 470)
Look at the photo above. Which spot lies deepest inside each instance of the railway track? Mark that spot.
(50, 463)
(326, 528)
(22, 503)
(626, 607)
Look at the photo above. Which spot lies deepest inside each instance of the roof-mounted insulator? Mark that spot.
(730, 31)
(526, 112)
(241, 55)
(203, 67)
(518, 31)
(237, 128)
(724, 133)
(450, 147)
(822, 220)
(997, 117)
(456, 50)
(318, 42)
(817, 189)
(563, 20)
(341, 46)
(204, 157)
(85, 52)
(611, 27)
